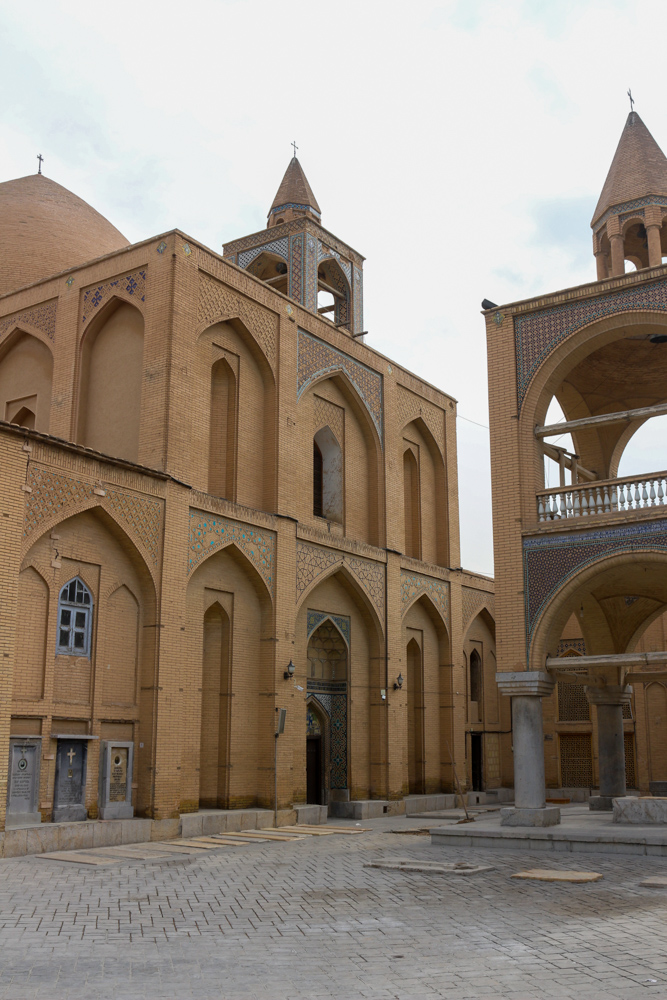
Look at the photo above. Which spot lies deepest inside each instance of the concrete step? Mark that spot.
(367, 808)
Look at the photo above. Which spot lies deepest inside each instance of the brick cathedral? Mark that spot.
(219, 501)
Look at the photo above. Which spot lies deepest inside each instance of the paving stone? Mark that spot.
(555, 875)
(307, 919)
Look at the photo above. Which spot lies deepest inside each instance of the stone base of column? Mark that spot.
(601, 803)
(547, 816)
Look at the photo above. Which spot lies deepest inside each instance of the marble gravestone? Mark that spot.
(116, 764)
(23, 788)
(69, 802)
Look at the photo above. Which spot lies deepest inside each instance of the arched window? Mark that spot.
(318, 476)
(327, 476)
(475, 677)
(411, 505)
(75, 617)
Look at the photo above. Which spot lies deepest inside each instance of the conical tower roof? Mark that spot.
(639, 168)
(295, 190)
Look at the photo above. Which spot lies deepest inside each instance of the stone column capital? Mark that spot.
(525, 683)
(610, 694)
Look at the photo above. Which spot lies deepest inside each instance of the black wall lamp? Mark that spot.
(398, 683)
(290, 671)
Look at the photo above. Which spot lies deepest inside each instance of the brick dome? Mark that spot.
(44, 229)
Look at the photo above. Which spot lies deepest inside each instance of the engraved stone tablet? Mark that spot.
(70, 788)
(23, 791)
(115, 800)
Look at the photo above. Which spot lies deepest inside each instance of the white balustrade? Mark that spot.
(603, 497)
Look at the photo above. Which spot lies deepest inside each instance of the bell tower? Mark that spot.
(629, 220)
(297, 256)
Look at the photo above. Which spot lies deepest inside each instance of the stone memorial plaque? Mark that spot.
(70, 788)
(118, 775)
(23, 790)
(115, 799)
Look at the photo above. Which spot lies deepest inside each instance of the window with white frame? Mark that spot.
(75, 617)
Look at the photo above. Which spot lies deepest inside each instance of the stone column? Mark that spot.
(617, 255)
(654, 248)
(609, 702)
(526, 689)
(601, 264)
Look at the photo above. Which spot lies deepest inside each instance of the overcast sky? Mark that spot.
(460, 146)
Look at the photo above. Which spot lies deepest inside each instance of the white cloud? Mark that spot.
(439, 138)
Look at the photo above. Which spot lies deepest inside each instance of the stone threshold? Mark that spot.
(48, 837)
(602, 841)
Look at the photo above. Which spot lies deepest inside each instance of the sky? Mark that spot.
(460, 146)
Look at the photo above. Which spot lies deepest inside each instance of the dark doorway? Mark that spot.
(476, 761)
(314, 770)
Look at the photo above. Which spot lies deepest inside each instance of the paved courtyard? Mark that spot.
(307, 919)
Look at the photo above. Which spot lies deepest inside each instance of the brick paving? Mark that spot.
(307, 919)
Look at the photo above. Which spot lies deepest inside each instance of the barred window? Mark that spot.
(75, 615)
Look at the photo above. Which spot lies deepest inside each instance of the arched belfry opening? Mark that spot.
(272, 269)
(333, 292)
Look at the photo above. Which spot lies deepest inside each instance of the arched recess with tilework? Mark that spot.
(426, 697)
(26, 374)
(231, 410)
(597, 594)
(606, 366)
(363, 468)
(231, 657)
(110, 381)
(429, 467)
(110, 690)
(359, 729)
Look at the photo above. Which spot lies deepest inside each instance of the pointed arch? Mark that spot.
(440, 615)
(433, 522)
(26, 376)
(430, 706)
(363, 503)
(110, 378)
(31, 634)
(108, 516)
(215, 708)
(557, 608)
(233, 400)
(346, 572)
(260, 584)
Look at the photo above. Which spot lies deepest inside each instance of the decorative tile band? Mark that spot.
(315, 619)
(131, 285)
(299, 208)
(314, 560)
(537, 334)
(279, 247)
(296, 267)
(42, 318)
(209, 533)
(550, 561)
(315, 359)
(413, 586)
(579, 645)
(628, 206)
